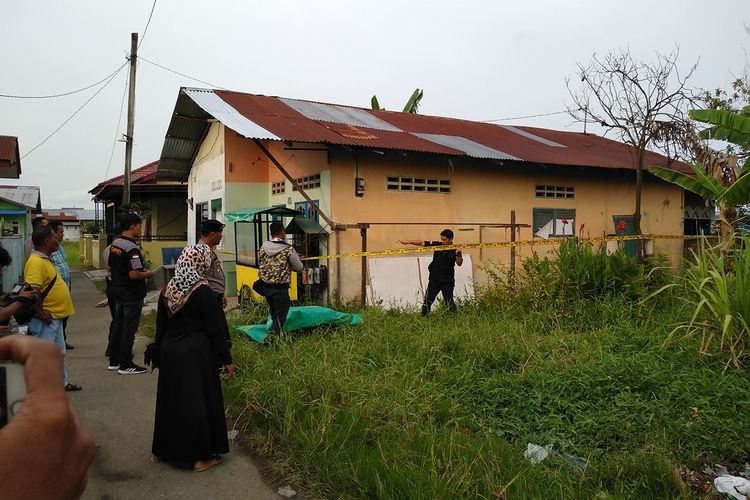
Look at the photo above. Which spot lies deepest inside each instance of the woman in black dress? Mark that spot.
(189, 427)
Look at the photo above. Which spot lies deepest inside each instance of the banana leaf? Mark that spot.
(374, 103)
(738, 193)
(703, 184)
(728, 125)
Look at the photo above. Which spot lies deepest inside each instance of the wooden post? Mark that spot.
(513, 248)
(131, 119)
(363, 232)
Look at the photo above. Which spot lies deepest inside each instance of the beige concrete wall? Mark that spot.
(484, 192)
(168, 216)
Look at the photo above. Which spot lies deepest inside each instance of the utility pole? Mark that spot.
(131, 119)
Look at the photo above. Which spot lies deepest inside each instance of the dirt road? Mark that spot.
(118, 410)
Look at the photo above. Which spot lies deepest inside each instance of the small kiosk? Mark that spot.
(251, 230)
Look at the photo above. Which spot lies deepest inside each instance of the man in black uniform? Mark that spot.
(128, 289)
(442, 275)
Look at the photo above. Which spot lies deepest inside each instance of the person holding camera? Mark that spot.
(56, 302)
(45, 451)
(442, 277)
(10, 303)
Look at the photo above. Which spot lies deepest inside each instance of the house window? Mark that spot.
(307, 210)
(216, 212)
(278, 187)
(554, 222)
(544, 191)
(201, 214)
(423, 184)
(308, 182)
(15, 228)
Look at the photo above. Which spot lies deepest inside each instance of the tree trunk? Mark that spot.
(637, 215)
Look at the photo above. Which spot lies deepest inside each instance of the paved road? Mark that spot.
(118, 410)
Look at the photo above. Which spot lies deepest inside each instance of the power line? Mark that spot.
(117, 130)
(145, 30)
(8, 96)
(181, 74)
(74, 113)
(527, 116)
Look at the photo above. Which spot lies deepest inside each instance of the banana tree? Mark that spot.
(717, 175)
(412, 105)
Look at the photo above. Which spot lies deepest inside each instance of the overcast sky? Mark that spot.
(478, 60)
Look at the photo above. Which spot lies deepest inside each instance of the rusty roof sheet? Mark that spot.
(141, 175)
(265, 117)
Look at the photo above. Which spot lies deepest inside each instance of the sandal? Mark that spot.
(202, 465)
(73, 387)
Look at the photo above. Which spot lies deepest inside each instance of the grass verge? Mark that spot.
(443, 407)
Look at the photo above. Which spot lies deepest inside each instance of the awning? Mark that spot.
(302, 225)
(248, 214)
(8, 211)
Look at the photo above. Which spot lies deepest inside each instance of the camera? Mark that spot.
(13, 295)
(12, 390)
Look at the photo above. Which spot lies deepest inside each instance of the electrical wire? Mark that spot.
(117, 129)
(522, 117)
(141, 58)
(145, 30)
(74, 113)
(8, 96)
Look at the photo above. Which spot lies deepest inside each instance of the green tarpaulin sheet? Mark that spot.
(302, 317)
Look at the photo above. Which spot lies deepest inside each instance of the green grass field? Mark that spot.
(443, 407)
(72, 250)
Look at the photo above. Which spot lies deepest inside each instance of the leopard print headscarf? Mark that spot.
(191, 266)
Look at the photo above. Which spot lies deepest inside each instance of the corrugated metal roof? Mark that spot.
(263, 117)
(10, 159)
(467, 146)
(27, 196)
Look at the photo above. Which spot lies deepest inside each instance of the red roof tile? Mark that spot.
(142, 175)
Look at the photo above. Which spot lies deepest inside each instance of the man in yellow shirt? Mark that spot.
(57, 305)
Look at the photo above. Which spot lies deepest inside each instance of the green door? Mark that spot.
(624, 226)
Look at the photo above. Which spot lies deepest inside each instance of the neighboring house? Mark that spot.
(163, 209)
(72, 218)
(10, 159)
(406, 175)
(18, 205)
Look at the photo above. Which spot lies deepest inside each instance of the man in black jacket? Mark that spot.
(442, 274)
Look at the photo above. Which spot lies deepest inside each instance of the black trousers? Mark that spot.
(112, 305)
(435, 287)
(279, 304)
(127, 317)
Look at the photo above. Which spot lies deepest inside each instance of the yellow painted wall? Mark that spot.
(484, 192)
(168, 216)
(152, 249)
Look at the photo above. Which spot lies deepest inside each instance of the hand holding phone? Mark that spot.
(12, 390)
(45, 449)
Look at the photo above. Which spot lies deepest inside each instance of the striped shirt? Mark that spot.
(60, 259)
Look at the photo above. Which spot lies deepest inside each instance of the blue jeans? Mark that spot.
(52, 332)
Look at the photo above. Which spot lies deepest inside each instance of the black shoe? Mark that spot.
(68, 346)
(131, 369)
(72, 387)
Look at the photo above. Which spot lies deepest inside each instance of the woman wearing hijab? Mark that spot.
(190, 428)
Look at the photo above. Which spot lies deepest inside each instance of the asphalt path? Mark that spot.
(118, 410)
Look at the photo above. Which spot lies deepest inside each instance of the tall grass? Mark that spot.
(716, 285)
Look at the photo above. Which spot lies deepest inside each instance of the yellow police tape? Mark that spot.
(502, 244)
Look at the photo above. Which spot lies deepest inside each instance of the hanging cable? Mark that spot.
(117, 129)
(522, 117)
(181, 74)
(74, 113)
(145, 30)
(8, 96)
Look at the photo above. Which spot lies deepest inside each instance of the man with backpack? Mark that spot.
(277, 261)
(55, 303)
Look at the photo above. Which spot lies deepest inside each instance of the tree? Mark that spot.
(633, 99)
(412, 105)
(718, 175)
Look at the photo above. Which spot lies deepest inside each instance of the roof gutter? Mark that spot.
(313, 205)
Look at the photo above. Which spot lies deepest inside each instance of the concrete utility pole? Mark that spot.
(131, 119)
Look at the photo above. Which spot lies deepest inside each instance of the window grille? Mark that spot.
(543, 191)
(421, 184)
